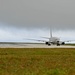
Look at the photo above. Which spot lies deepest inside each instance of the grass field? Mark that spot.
(37, 61)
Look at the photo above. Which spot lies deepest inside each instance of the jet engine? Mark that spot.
(47, 43)
(60, 43)
(63, 43)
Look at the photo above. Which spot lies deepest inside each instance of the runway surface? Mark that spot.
(31, 45)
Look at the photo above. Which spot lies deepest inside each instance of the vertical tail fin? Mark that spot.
(50, 33)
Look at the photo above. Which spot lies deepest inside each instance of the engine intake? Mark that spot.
(63, 43)
(46, 43)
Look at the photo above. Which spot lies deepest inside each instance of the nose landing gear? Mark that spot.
(58, 43)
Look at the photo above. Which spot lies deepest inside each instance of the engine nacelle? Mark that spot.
(63, 43)
(46, 43)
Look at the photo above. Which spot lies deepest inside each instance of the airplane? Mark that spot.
(52, 40)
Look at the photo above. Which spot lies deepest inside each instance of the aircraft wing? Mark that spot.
(38, 40)
(69, 40)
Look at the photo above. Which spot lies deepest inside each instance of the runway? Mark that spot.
(31, 45)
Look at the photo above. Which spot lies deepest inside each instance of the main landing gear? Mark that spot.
(47, 43)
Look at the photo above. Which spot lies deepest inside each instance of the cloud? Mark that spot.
(38, 13)
(21, 35)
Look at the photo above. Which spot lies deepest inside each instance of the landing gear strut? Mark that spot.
(49, 44)
(58, 43)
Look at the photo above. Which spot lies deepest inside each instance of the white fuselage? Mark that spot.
(54, 40)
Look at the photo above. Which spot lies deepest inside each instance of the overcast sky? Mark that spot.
(30, 15)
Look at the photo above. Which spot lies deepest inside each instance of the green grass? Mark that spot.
(70, 44)
(37, 61)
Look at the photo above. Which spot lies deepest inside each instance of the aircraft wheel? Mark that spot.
(49, 44)
(58, 44)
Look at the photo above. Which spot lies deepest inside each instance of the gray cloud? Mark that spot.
(38, 13)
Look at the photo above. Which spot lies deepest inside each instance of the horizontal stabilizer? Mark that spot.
(45, 37)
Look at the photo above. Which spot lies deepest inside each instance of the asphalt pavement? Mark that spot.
(26, 45)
